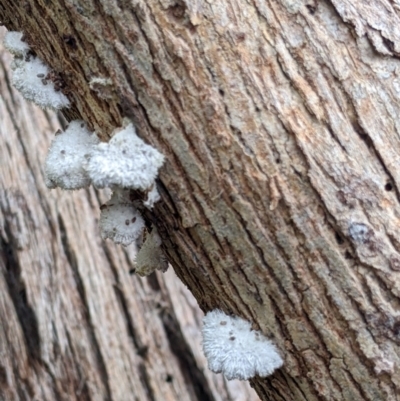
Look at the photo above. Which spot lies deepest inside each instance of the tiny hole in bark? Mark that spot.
(347, 255)
(339, 239)
(388, 186)
(169, 379)
(142, 351)
(70, 41)
(311, 8)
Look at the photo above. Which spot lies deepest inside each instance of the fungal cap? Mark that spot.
(125, 161)
(233, 348)
(120, 222)
(14, 44)
(28, 79)
(66, 156)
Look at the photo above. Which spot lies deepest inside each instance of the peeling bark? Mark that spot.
(280, 194)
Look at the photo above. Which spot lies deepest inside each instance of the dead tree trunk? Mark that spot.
(75, 323)
(280, 193)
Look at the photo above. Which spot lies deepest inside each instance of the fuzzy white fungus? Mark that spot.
(233, 348)
(67, 154)
(29, 78)
(14, 44)
(125, 161)
(151, 256)
(120, 222)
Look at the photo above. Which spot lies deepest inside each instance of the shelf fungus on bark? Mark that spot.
(65, 160)
(30, 75)
(120, 221)
(234, 349)
(125, 161)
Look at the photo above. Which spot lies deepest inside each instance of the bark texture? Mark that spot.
(75, 323)
(280, 194)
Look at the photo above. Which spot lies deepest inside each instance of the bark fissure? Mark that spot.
(183, 353)
(68, 251)
(16, 285)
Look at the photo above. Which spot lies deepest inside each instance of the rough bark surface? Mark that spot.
(280, 194)
(75, 324)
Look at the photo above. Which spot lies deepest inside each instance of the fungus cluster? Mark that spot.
(234, 349)
(77, 159)
(31, 76)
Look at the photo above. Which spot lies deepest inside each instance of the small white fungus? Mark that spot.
(29, 78)
(67, 154)
(233, 348)
(125, 161)
(14, 44)
(120, 222)
(151, 256)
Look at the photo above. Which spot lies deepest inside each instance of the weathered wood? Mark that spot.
(280, 193)
(74, 323)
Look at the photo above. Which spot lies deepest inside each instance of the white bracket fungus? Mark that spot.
(66, 157)
(125, 161)
(30, 73)
(29, 77)
(14, 44)
(120, 221)
(151, 256)
(233, 348)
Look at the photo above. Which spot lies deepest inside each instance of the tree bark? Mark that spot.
(280, 191)
(75, 323)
